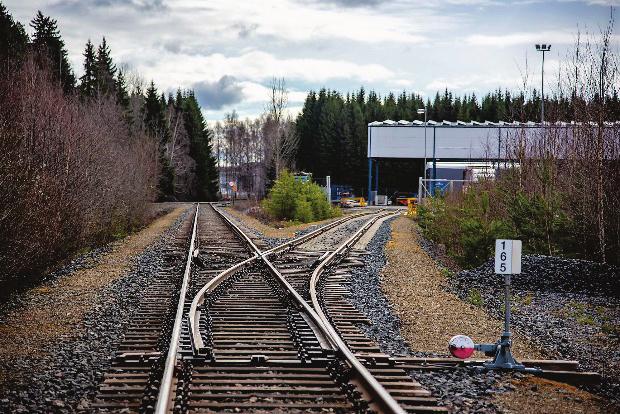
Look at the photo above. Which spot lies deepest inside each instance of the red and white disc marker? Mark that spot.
(461, 346)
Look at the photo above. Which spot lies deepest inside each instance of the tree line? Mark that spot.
(80, 159)
(332, 127)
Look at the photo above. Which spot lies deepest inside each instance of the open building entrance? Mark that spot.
(446, 151)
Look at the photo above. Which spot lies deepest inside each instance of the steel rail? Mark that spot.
(163, 398)
(194, 313)
(380, 396)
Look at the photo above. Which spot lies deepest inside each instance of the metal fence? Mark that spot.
(429, 187)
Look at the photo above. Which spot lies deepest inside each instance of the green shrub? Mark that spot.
(540, 223)
(303, 211)
(478, 230)
(282, 197)
(467, 227)
(468, 223)
(474, 297)
(291, 199)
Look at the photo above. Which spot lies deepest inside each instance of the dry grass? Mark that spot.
(542, 396)
(54, 311)
(429, 314)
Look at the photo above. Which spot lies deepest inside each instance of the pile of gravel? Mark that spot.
(551, 274)
(367, 297)
(67, 378)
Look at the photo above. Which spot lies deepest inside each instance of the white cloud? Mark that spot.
(255, 92)
(254, 66)
(474, 83)
(521, 38)
(299, 21)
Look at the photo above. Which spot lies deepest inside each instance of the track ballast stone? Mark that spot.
(66, 379)
(460, 390)
(570, 308)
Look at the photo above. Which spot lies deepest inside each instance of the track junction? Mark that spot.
(232, 326)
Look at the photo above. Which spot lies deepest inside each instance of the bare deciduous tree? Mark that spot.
(281, 141)
(574, 168)
(70, 171)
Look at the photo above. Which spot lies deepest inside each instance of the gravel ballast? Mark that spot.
(569, 307)
(64, 376)
(460, 390)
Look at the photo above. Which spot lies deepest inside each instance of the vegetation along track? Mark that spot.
(240, 337)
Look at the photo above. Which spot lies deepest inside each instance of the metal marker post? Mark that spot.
(507, 305)
(507, 262)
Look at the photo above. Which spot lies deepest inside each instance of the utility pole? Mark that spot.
(423, 111)
(543, 48)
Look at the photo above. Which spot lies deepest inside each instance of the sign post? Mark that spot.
(233, 188)
(507, 263)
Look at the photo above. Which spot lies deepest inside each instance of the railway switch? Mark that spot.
(507, 263)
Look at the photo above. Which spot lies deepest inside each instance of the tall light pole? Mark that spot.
(543, 48)
(420, 112)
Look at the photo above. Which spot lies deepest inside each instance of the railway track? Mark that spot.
(254, 331)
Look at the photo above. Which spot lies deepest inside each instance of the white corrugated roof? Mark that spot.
(402, 122)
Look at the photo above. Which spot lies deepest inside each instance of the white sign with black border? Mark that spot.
(507, 257)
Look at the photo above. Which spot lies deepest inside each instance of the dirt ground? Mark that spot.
(430, 316)
(55, 309)
(541, 396)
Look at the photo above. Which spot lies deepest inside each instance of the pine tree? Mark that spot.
(154, 116)
(155, 124)
(88, 83)
(47, 41)
(122, 96)
(178, 102)
(389, 107)
(105, 70)
(201, 150)
(13, 41)
(304, 128)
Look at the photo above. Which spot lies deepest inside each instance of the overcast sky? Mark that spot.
(228, 50)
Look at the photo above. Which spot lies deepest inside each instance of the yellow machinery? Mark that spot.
(405, 201)
(353, 202)
(412, 207)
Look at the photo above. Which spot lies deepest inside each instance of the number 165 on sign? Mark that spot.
(507, 257)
